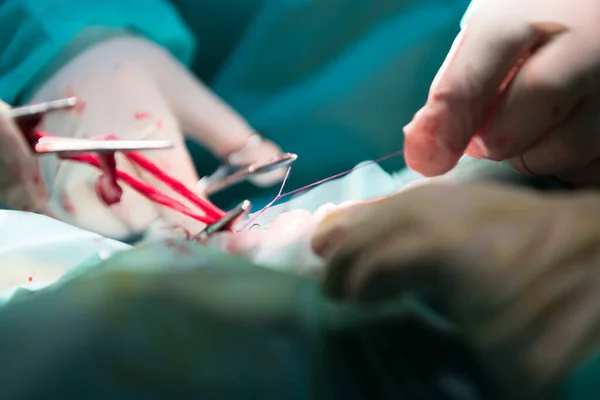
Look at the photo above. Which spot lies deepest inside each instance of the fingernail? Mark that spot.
(423, 151)
(408, 128)
(420, 153)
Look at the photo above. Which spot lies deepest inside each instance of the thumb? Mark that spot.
(482, 61)
(212, 122)
(21, 186)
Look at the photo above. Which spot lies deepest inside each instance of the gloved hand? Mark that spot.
(133, 89)
(518, 273)
(21, 185)
(546, 121)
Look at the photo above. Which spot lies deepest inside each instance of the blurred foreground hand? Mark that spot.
(517, 271)
(519, 84)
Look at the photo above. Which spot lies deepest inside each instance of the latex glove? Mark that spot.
(135, 90)
(21, 185)
(283, 244)
(517, 272)
(547, 117)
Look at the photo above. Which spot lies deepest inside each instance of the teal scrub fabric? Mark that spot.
(203, 325)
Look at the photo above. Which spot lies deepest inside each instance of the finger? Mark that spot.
(466, 87)
(408, 264)
(354, 224)
(589, 176)
(202, 114)
(543, 94)
(145, 115)
(21, 185)
(124, 102)
(399, 266)
(335, 231)
(75, 200)
(259, 151)
(568, 147)
(355, 232)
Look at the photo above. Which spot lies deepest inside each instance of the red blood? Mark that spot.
(79, 107)
(174, 184)
(66, 203)
(107, 187)
(110, 192)
(179, 249)
(108, 163)
(107, 190)
(30, 279)
(159, 124)
(145, 190)
(38, 134)
(108, 136)
(142, 115)
(36, 177)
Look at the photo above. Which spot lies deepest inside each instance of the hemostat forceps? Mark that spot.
(228, 175)
(225, 222)
(41, 109)
(28, 117)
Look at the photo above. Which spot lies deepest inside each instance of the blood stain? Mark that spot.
(141, 115)
(36, 177)
(79, 107)
(66, 203)
(178, 249)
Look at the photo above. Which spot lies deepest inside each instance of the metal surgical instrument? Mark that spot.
(226, 222)
(29, 116)
(228, 175)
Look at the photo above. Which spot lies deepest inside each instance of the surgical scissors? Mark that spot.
(29, 116)
(228, 175)
(225, 222)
